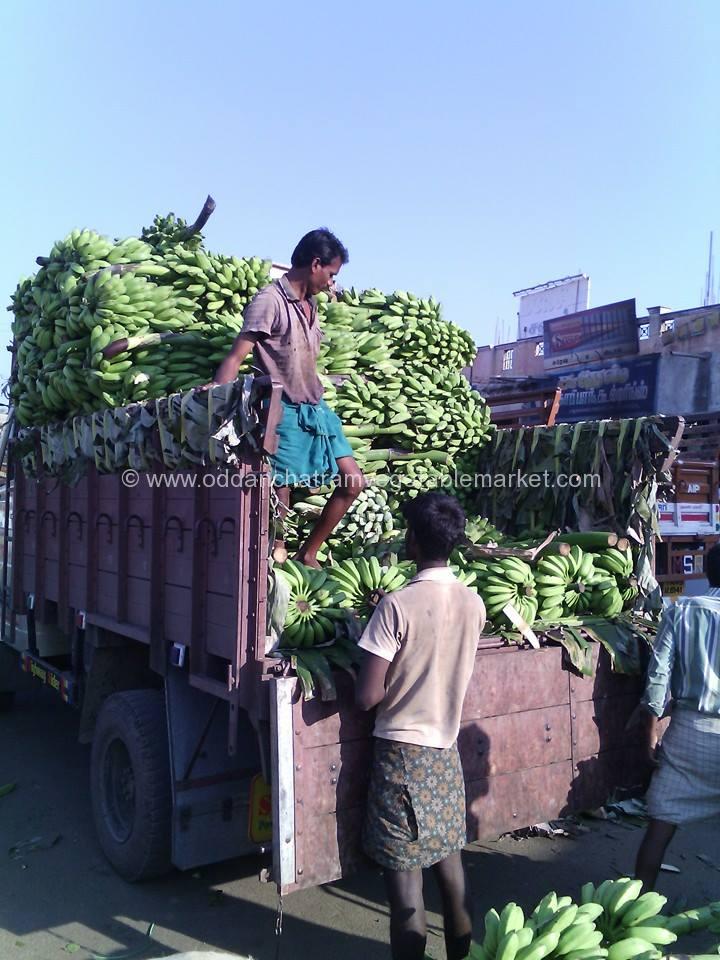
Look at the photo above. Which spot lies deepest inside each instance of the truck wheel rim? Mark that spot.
(119, 783)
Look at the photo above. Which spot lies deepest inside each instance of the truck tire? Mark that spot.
(130, 784)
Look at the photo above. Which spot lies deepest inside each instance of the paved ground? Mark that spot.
(66, 901)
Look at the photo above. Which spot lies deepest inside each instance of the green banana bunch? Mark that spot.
(619, 564)
(628, 918)
(614, 921)
(314, 666)
(479, 530)
(363, 581)
(315, 604)
(569, 585)
(507, 581)
(91, 292)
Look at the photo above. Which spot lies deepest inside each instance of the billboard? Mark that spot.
(591, 335)
(624, 388)
(557, 298)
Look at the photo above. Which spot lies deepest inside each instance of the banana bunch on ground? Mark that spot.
(619, 564)
(507, 581)
(612, 921)
(315, 605)
(363, 581)
(631, 924)
(556, 928)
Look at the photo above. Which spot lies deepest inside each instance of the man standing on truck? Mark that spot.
(684, 670)
(421, 643)
(281, 330)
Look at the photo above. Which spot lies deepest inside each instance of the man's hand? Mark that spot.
(205, 386)
(640, 715)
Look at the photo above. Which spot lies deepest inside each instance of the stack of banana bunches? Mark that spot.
(109, 323)
(565, 582)
(613, 921)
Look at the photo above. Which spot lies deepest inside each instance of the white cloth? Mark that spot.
(686, 786)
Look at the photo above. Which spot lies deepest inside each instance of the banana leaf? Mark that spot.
(316, 663)
(577, 648)
(621, 643)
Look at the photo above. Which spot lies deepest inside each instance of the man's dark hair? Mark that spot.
(438, 523)
(712, 566)
(321, 244)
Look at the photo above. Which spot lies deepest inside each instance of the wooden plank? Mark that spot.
(599, 725)
(516, 741)
(512, 800)
(515, 680)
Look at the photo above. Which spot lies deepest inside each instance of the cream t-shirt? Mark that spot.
(429, 631)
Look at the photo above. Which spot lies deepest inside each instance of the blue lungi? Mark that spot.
(310, 442)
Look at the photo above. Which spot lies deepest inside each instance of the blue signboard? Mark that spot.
(621, 388)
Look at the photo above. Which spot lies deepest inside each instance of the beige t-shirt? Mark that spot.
(429, 632)
(288, 345)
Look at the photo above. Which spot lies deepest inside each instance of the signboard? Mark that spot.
(558, 298)
(591, 335)
(625, 388)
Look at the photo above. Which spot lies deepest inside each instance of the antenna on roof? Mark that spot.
(710, 277)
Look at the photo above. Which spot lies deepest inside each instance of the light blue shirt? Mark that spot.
(685, 662)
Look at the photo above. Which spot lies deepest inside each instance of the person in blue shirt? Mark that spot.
(683, 677)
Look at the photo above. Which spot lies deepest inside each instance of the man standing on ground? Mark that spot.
(421, 643)
(281, 329)
(685, 669)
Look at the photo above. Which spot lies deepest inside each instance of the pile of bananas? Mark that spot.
(171, 309)
(413, 326)
(364, 581)
(507, 581)
(629, 921)
(315, 605)
(369, 520)
(612, 922)
(619, 564)
(479, 530)
(576, 584)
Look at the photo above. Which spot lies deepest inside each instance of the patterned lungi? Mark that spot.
(416, 805)
(686, 785)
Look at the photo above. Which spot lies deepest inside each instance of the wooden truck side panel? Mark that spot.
(536, 742)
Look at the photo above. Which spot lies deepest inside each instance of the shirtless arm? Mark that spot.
(370, 689)
(228, 369)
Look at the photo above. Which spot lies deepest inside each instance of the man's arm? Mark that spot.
(228, 369)
(659, 675)
(381, 642)
(370, 687)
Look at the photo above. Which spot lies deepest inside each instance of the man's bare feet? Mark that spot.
(308, 560)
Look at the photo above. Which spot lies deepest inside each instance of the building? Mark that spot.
(671, 366)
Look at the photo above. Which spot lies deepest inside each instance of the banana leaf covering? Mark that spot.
(180, 432)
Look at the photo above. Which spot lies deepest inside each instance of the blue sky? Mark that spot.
(463, 149)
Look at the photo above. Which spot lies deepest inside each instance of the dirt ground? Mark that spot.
(64, 900)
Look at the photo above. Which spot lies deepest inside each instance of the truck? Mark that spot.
(690, 517)
(144, 606)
